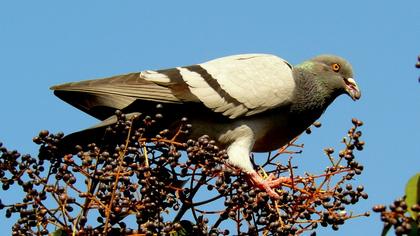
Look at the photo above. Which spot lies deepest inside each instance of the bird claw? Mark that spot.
(269, 183)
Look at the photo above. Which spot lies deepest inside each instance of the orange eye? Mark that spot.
(335, 67)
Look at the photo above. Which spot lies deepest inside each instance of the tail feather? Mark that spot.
(95, 134)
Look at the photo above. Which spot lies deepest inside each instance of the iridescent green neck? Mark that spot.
(310, 95)
(306, 65)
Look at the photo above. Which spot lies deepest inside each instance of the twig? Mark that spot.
(117, 178)
(185, 206)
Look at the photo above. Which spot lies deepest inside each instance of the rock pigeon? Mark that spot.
(247, 103)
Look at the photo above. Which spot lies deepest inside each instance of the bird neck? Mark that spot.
(311, 96)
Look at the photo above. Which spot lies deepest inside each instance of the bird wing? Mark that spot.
(234, 86)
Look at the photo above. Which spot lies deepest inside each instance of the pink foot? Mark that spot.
(268, 184)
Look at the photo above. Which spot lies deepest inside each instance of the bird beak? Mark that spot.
(352, 89)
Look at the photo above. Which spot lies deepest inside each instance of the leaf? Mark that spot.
(186, 229)
(386, 229)
(58, 232)
(412, 193)
(414, 229)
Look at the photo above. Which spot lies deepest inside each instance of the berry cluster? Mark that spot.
(137, 181)
(397, 217)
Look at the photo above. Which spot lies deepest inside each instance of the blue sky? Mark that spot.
(43, 43)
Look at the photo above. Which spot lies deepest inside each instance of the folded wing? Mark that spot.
(234, 86)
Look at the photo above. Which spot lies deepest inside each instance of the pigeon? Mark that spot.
(247, 102)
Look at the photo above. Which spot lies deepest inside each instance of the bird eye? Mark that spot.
(335, 67)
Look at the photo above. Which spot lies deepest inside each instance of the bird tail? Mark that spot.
(98, 134)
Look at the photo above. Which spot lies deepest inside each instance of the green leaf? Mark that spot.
(186, 229)
(414, 229)
(412, 193)
(58, 232)
(386, 229)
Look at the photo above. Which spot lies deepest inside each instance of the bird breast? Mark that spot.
(266, 132)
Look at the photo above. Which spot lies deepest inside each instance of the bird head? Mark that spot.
(336, 74)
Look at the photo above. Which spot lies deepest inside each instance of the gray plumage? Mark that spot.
(250, 102)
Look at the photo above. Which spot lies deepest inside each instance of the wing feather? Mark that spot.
(234, 86)
(255, 80)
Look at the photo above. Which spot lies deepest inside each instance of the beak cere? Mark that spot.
(352, 89)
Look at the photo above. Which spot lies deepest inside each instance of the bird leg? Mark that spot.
(239, 151)
(267, 184)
